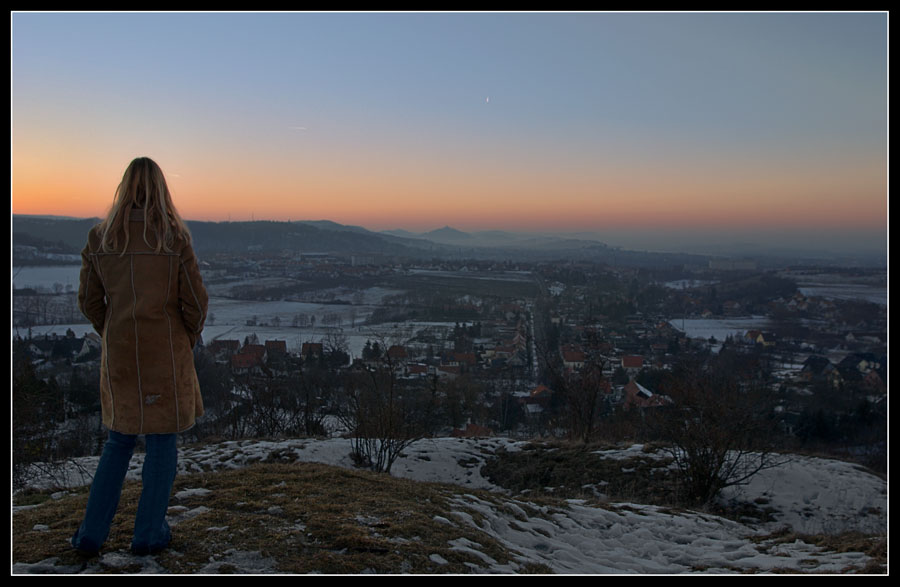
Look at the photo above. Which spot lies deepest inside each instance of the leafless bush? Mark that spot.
(581, 394)
(720, 430)
(382, 416)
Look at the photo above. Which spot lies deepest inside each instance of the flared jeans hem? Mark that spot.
(151, 530)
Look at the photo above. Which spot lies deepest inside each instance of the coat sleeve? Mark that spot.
(91, 294)
(192, 294)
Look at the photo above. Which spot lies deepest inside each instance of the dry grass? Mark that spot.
(874, 547)
(568, 471)
(577, 471)
(304, 518)
(312, 518)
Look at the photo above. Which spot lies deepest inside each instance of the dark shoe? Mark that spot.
(87, 553)
(84, 549)
(146, 550)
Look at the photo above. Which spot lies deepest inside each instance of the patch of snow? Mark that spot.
(808, 495)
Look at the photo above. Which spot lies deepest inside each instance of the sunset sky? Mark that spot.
(611, 123)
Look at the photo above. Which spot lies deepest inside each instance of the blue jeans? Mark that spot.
(151, 531)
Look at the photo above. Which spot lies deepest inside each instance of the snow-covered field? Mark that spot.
(809, 495)
(46, 277)
(719, 328)
(845, 291)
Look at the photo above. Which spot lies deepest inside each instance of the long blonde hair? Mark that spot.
(143, 187)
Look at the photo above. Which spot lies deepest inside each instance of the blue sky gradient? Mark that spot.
(635, 122)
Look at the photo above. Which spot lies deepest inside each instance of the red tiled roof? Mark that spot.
(639, 396)
(276, 345)
(467, 358)
(541, 391)
(573, 356)
(254, 349)
(632, 361)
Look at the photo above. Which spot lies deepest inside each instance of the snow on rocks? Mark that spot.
(814, 495)
(809, 495)
(638, 539)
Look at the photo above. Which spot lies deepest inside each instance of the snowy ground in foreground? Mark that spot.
(809, 495)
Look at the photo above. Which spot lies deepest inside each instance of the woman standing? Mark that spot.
(140, 287)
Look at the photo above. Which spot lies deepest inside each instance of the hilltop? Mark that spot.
(299, 506)
(66, 235)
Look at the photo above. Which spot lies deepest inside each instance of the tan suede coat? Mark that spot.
(149, 309)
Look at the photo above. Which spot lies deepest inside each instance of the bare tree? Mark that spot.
(310, 393)
(581, 394)
(268, 416)
(37, 410)
(383, 416)
(336, 348)
(720, 429)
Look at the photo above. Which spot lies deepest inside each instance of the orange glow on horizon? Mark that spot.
(379, 196)
(384, 209)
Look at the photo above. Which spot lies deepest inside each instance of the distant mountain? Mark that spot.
(401, 233)
(497, 239)
(70, 235)
(60, 233)
(501, 240)
(331, 225)
(315, 236)
(325, 236)
(448, 235)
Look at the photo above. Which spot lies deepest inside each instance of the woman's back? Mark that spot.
(148, 303)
